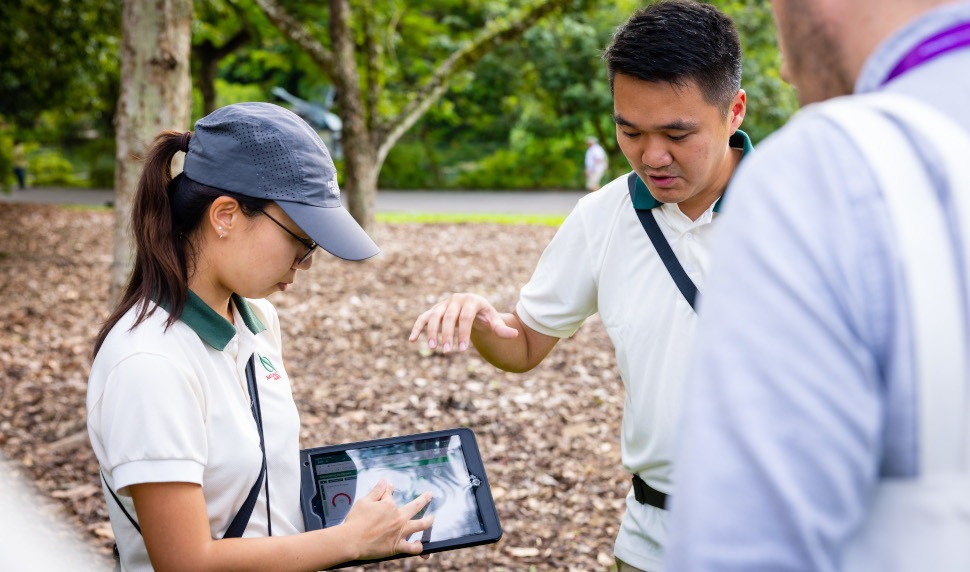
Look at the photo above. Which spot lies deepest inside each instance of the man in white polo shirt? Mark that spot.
(675, 71)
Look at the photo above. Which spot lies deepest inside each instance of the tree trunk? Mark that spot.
(360, 154)
(209, 56)
(156, 94)
(208, 67)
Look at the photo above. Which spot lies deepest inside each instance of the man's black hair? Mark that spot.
(676, 41)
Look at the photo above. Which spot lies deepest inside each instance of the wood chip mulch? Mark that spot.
(550, 437)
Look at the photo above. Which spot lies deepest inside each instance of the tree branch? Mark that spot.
(234, 43)
(375, 64)
(298, 34)
(493, 34)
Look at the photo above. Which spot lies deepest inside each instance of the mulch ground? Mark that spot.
(549, 437)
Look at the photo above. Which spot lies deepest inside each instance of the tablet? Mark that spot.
(447, 463)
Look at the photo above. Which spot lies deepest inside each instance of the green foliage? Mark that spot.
(408, 167)
(48, 167)
(229, 93)
(535, 164)
(550, 83)
(94, 160)
(59, 55)
(522, 113)
(539, 97)
(771, 101)
(6, 161)
(517, 119)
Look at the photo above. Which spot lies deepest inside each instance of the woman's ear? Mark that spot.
(224, 215)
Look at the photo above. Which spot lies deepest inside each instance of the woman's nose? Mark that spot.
(305, 264)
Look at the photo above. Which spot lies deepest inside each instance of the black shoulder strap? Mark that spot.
(117, 500)
(238, 525)
(677, 272)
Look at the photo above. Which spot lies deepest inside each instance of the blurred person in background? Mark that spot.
(20, 163)
(595, 164)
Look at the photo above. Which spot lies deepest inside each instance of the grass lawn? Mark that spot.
(424, 218)
(454, 218)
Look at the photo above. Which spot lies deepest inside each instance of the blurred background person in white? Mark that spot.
(596, 164)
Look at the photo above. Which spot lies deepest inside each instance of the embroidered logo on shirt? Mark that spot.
(268, 366)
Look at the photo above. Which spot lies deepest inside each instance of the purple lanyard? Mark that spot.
(948, 40)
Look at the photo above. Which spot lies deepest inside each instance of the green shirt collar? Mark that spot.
(643, 200)
(212, 328)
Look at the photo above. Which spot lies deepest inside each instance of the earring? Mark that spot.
(222, 233)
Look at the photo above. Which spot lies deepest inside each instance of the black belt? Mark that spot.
(645, 494)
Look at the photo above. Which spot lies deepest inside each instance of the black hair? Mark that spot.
(165, 214)
(676, 41)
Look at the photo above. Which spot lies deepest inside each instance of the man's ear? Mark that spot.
(738, 107)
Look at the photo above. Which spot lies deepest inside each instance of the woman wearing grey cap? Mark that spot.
(190, 411)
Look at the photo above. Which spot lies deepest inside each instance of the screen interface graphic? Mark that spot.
(436, 465)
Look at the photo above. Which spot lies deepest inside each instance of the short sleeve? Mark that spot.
(562, 291)
(152, 421)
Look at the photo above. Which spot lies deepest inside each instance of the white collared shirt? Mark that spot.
(173, 406)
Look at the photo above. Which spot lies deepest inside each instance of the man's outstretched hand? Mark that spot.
(454, 319)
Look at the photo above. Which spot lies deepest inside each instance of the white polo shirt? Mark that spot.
(173, 406)
(601, 260)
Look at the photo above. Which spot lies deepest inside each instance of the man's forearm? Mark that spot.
(518, 354)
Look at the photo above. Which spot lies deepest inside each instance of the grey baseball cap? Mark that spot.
(264, 151)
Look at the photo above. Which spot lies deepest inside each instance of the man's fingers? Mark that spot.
(466, 320)
(452, 317)
(419, 325)
(455, 317)
(434, 322)
(503, 331)
(497, 323)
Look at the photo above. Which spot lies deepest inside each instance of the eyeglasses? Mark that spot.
(311, 246)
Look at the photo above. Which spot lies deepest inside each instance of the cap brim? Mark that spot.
(333, 229)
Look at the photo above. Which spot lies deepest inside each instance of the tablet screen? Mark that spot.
(435, 464)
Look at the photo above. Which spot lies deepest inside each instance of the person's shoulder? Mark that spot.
(807, 149)
(806, 169)
(598, 212)
(150, 336)
(807, 135)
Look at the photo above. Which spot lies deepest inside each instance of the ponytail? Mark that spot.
(165, 214)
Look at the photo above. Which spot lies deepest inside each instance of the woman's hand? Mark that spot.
(381, 527)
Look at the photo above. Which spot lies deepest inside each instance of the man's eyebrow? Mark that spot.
(676, 125)
(618, 119)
